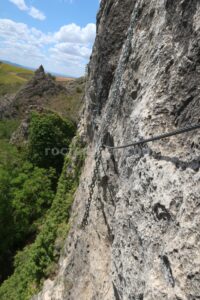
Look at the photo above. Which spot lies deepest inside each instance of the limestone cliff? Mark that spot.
(143, 239)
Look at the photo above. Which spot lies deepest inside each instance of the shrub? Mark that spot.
(32, 195)
(78, 90)
(51, 76)
(49, 132)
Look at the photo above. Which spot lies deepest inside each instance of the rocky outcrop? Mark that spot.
(37, 91)
(7, 109)
(142, 240)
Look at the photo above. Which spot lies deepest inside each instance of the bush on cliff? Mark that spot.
(49, 139)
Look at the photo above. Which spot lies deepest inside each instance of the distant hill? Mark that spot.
(12, 77)
(59, 75)
(17, 65)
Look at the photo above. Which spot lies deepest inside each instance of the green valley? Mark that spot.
(40, 163)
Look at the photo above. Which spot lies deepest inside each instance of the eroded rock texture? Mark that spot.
(143, 237)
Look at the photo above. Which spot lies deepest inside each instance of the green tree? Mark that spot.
(32, 195)
(6, 223)
(49, 137)
(26, 195)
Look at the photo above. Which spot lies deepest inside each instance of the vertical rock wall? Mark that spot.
(143, 237)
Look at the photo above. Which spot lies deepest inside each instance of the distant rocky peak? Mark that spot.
(38, 91)
(40, 73)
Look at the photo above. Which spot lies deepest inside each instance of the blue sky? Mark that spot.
(56, 33)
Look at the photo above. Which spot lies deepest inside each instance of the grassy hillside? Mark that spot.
(69, 104)
(12, 78)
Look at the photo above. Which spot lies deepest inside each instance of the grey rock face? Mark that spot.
(7, 109)
(143, 238)
(113, 21)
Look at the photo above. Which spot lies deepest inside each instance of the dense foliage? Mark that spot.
(30, 214)
(6, 224)
(8, 153)
(49, 139)
(37, 261)
(25, 196)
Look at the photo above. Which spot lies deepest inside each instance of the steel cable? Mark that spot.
(155, 138)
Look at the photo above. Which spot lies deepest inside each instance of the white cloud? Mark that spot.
(20, 32)
(73, 49)
(20, 4)
(31, 10)
(73, 32)
(37, 14)
(65, 51)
